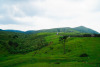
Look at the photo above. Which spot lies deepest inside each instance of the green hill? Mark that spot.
(45, 50)
(83, 29)
(80, 29)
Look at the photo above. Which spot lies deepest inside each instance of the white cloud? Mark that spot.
(55, 13)
(1, 17)
(44, 23)
(65, 8)
(26, 19)
(13, 10)
(16, 27)
(37, 22)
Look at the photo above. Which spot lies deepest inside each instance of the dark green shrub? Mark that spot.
(51, 48)
(57, 62)
(84, 55)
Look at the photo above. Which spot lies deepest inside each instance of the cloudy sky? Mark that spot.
(44, 14)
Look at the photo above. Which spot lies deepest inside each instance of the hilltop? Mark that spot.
(80, 29)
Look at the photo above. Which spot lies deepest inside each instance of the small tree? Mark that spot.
(63, 40)
(15, 36)
(10, 43)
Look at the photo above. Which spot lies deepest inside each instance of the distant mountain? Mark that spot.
(66, 29)
(80, 29)
(0, 29)
(83, 29)
(18, 31)
(30, 32)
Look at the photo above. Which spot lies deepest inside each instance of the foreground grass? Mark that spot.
(52, 55)
(68, 64)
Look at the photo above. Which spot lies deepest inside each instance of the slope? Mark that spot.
(83, 29)
(52, 55)
(80, 29)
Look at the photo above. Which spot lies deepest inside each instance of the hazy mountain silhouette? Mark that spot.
(80, 29)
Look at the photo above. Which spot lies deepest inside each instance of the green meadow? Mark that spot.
(80, 51)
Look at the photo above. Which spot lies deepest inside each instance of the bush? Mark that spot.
(87, 35)
(69, 50)
(15, 36)
(84, 55)
(51, 48)
(57, 62)
(10, 43)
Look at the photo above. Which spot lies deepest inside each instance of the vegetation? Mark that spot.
(80, 29)
(77, 30)
(47, 49)
(63, 41)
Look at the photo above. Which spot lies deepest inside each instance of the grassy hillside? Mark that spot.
(83, 29)
(80, 29)
(80, 52)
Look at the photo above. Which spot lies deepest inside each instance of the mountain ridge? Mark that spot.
(79, 29)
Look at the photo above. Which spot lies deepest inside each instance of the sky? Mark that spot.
(45, 14)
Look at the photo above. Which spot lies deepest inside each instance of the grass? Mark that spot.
(52, 55)
(68, 64)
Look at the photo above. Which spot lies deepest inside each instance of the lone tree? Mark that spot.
(63, 40)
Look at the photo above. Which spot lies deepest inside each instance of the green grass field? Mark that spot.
(52, 55)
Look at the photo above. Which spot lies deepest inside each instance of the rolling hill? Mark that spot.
(83, 29)
(80, 29)
(80, 52)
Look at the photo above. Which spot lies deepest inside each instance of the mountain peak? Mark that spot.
(81, 27)
(84, 29)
